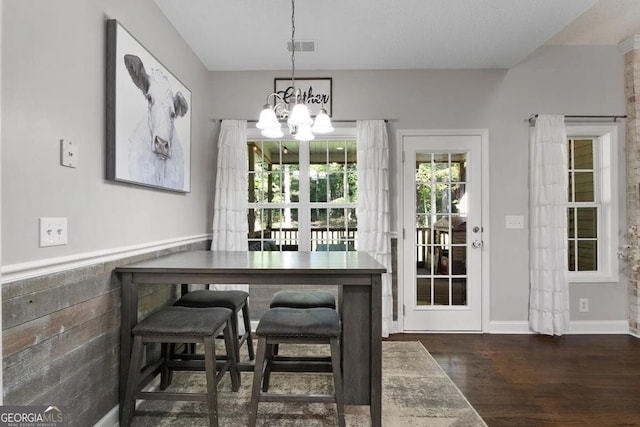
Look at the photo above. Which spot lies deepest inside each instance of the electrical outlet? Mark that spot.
(53, 232)
(583, 305)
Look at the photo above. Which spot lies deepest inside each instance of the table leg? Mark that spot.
(128, 319)
(355, 312)
(376, 350)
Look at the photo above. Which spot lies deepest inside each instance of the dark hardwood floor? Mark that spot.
(534, 380)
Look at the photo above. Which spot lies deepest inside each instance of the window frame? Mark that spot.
(304, 206)
(606, 181)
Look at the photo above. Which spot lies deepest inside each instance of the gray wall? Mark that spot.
(61, 331)
(552, 80)
(54, 87)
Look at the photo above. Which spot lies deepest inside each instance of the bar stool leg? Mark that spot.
(257, 380)
(132, 382)
(247, 328)
(337, 379)
(210, 373)
(234, 329)
(167, 351)
(266, 375)
(231, 344)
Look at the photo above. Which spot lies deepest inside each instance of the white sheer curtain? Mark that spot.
(373, 206)
(549, 293)
(230, 204)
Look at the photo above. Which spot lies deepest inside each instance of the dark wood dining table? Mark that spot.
(357, 275)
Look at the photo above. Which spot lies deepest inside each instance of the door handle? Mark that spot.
(477, 244)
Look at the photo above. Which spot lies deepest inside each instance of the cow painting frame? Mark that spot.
(148, 117)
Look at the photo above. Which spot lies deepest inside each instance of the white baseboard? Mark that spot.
(28, 270)
(509, 327)
(576, 327)
(598, 327)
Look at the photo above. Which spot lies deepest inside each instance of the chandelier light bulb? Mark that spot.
(304, 134)
(300, 116)
(268, 118)
(322, 124)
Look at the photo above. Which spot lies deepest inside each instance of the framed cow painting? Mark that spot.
(148, 117)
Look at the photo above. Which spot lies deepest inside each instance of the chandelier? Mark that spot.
(292, 109)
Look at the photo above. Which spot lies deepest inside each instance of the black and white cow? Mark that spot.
(155, 153)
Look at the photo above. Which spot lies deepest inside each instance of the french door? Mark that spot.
(442, 229)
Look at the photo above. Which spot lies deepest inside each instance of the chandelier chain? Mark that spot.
(293, 44)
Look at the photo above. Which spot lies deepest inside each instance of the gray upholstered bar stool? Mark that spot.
(303, 299)
(285, 325)
(234, 300)
(181, 325)
(300, 299)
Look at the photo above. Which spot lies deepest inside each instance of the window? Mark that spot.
(592, 210)
(302, 195)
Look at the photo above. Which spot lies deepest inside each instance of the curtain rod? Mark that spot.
(533, 117)
(332, 121)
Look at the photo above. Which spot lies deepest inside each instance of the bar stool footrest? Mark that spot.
(185, 397)
(313, 398)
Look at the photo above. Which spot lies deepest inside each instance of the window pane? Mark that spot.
(318, 183)
(352, 182)
(583, 154)
(572, 255)
(587, 222)
(336, 187)
(274, 178)
(285, 230)
(584, 187)
(587, 255)
(570, 188)
(571, 222)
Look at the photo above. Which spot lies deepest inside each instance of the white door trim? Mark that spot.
(486, 234)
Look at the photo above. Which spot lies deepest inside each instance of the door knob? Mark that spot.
(477, 243)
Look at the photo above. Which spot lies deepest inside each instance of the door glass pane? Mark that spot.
(441, 291)
(458, 259)
(459, 291)
(423, 291)
(441, 236)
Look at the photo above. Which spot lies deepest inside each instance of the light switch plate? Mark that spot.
(68, 153)
(515, 222)
(53, 232)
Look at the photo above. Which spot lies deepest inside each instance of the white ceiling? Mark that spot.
(398, 34)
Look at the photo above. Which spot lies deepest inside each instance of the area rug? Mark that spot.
(415, 392)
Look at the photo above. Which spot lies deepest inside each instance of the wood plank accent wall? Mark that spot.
(61, 338)
(632, 151)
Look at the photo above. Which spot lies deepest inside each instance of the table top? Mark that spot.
(268, 262)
